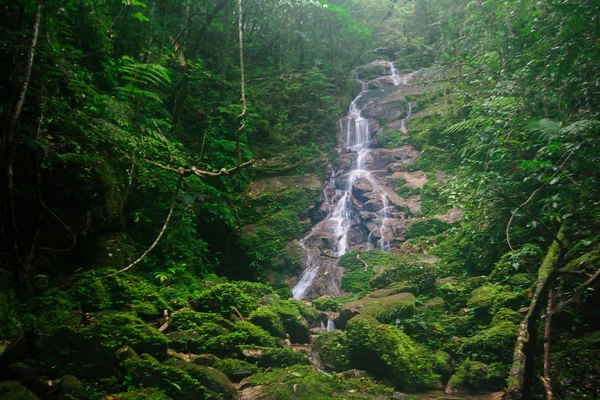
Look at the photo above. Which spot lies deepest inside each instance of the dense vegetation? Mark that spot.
(134, 137)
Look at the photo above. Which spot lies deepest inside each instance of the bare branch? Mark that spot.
(577, 294)
(201, 173)
(161, 233)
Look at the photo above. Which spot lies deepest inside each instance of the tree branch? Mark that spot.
(162, 231)
(577, 293)
(201, 173)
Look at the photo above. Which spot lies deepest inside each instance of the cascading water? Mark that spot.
(340, 200)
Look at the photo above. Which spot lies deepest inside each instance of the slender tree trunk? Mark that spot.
(241, 116)
(10, 147)
(520, 381)
(547, 347)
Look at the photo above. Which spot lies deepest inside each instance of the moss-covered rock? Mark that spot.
(521, 281)
(442, 364)
(207, 360)
(273, 356)
(506, 314)
(269, 320)
(384, 309)
(475, 376)
(70, 388)
(436, 302)
(90, 350)
(146, 310)
(294, 316)
(187, 319)
(305, 383)
(217, 384)
(482, 300)
(388, 353)
(193, 341)
(383, 270)
(224, 299)
(333, 351)
(143, 394)
(495, 344)
(236, 370)
(178, 384)
(244, 333)
(13, 390)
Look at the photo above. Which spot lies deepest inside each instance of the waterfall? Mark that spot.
(308, 275)
(330, 325)
(334, 238)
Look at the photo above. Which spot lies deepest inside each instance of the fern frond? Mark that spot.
(469, 125)
(545, 128)
(582, 127)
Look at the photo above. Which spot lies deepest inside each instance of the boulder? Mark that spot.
(13, 390)
(388, 353)
(216, 382)
(475, 377)
(384, 309)
(273, 357)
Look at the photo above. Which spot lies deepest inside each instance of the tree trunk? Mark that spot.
(520, 381)
(10, 146)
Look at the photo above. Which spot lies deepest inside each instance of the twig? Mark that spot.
(162, 231)
(577, 293)
(238, 313)
(361, 260)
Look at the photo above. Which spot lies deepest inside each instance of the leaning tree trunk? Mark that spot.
(520, 381)
(10, 146)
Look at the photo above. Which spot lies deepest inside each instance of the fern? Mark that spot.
(469, 125)
(150, 74)
(545, 128)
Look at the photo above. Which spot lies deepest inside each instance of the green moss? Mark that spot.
(521, 281)
(273, 356)
(442, 364)
(506, 314)
(194, 340)
(146, 311)
(217, 384)
(188, 319)
(495, 344)
(13, 390)
(333, 351)
(392, 139)
(522, 261)
(269, 320)
(244, 333)
(482, 300)
(427, 227)
(326, 303)
(178, 384)
(305, 383)
(90, 349)
(143, 394)
(235, 369)
(385, 309)
(294, 316)
(384, 269)
(221, 299)
(388, 353)
(475, 376)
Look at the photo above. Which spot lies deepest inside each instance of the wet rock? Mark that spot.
(362, 190)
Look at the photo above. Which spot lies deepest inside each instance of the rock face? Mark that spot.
(361, 208)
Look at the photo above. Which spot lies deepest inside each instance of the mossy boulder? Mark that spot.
(333, 351)
(217, 384)
(243, 333)
(269, 320)
(506, 314)
(143, 394)
(487, 299)
(225, 298)
(326, 303)
(306, 383)
(236, 370)
(521, 281)
(442, 364)
(70, 388)
(193, 341)
(273, 356)
(475, 376)
(495, 344)
(435, 303)
(90, 350)
(388, 353)
(176, 383)
(146, 310)
(13, 390)
(396, 287)
(187, 319)
(383, 270)
(207, 360)
(384, 309)
(294, 317)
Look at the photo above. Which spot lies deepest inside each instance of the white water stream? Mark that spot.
(357, 141)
